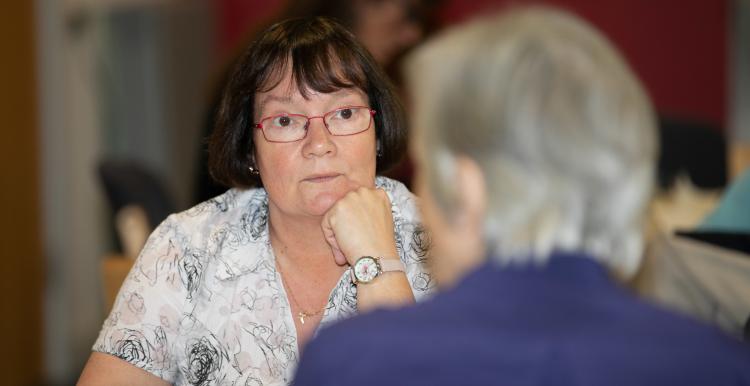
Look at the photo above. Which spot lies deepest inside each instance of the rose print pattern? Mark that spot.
(203, 362)
(133, 348)
(204, 305)
(420, 243)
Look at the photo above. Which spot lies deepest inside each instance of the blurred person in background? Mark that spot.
(386, 28)
(535, 149)
(228, 292)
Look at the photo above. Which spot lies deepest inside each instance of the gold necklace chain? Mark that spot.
(301, 314)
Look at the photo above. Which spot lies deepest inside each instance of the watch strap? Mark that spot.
(391, 265)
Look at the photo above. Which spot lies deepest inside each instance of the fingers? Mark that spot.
(330, 237)
(360, 223)
(360, 202)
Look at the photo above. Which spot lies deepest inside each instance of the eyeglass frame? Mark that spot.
(259, 125)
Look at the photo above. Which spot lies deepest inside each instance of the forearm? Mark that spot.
(105, 369)
(391, 289)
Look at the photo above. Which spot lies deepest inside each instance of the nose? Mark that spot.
(318, 141)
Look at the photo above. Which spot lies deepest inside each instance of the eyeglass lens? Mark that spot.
(293, 127)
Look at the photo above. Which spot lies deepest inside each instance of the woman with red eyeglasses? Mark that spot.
(228, 292)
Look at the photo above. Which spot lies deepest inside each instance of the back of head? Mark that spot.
(558, 123)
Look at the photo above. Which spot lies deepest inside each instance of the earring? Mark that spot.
(378, 150)
(253, 171)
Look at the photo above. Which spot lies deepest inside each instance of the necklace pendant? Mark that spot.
(301, 316)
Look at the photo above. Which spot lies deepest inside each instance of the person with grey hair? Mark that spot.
(535, 148)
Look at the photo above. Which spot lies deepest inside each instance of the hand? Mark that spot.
(360, 224)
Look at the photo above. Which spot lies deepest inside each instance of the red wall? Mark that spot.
(235, 17)
(677, 47)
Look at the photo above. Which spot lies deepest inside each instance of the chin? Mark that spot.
(319, 198)
(320, 204)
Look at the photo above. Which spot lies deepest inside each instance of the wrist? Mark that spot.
(368, 268)
(383, 252)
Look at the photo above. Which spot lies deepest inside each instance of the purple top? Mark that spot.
(562, 324)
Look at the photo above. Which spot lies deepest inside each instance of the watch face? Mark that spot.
(366, 269)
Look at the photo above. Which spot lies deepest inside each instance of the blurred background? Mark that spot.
(107, 102)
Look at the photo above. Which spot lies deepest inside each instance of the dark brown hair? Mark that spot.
(324, 57)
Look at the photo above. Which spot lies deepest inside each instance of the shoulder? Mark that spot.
(230, 207)
(627, 334)
(331, 357)
(238, 215)
(219, 237)
(409, 230)
(166, 305)
(683, 340)
(404, 202)
(374, 348)
(669, 347)
(412, 239)
(229, 231)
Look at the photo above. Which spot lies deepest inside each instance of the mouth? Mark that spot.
(321, 178)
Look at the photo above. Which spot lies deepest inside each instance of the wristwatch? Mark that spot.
(367, 268)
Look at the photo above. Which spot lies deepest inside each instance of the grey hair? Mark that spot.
(559, 125)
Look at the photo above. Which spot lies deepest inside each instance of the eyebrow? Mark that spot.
(341, 93)
(274, 98)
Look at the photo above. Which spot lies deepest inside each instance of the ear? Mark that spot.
(462, 247)
(472, 194)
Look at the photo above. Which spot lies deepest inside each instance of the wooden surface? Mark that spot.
(114, 270)
(739, 158)
(20, 245)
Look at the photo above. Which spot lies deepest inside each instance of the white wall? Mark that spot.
(72, 206)
(87, 112)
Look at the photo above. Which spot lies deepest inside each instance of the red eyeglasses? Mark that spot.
(347, 120)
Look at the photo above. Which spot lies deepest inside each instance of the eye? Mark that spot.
(344, 113)
(282, 121)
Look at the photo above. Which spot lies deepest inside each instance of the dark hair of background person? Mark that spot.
(353, 13)
(694, 149)
(324, 57)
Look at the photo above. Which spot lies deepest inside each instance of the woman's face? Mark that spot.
(306, 177)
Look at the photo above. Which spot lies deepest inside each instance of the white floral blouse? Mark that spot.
(204, 304)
